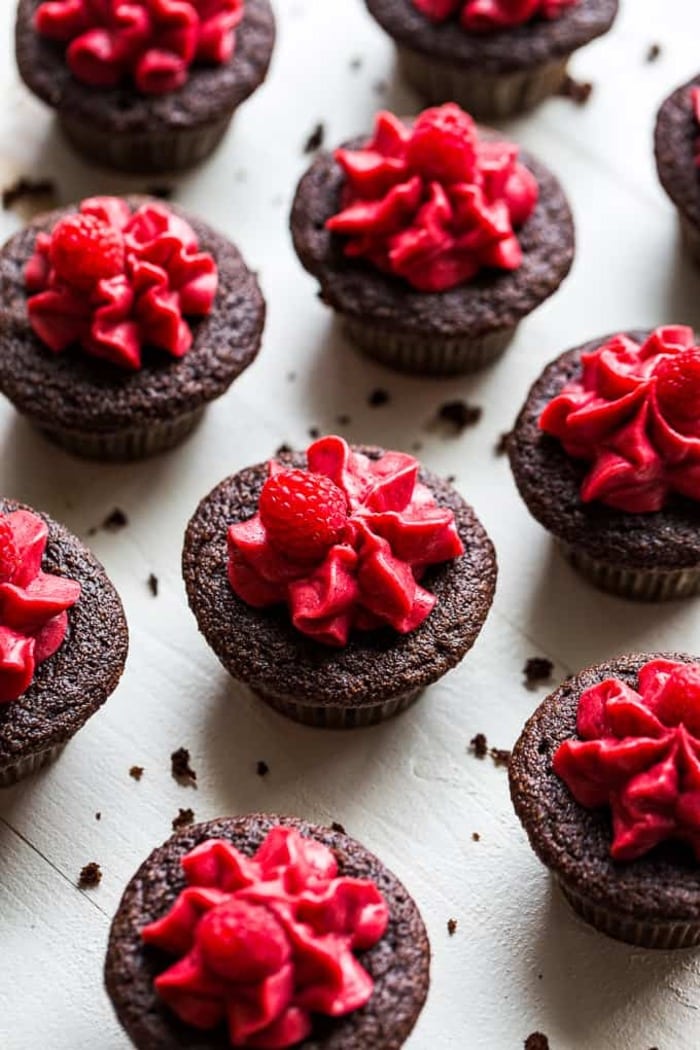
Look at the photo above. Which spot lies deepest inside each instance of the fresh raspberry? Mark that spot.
(242, 942)
(304, 514)
(9, 555)
(84, 250)
(678, 385)
(443, 145)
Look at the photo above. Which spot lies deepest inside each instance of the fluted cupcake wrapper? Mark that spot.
(642, 585)
(339, 717)
(690, 232)
(24, 767)
(125, 445)
(433, 355)
(662, 936)
(484, 95)
(148, 152)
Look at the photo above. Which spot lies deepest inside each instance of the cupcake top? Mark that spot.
(115, 280)
(633, 414)
(343, 542)
(33, 604)
(484, 16)
(148, 45)
(638, 753)
(434, 203)
(677, 148)
(264, 942)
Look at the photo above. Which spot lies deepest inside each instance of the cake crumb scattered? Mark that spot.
(314, 433)
(98, 815)
(653, 52)
(378, 398)
(181, 769)
(451, 478)
(115, 520)
(136, 772)
(163, 192)
(262, 768)
(458, 415)
(536, 670)
(27, 189)
(536, 1041)
(500, 756)
(343, 420)
(478, 745)
(315, 139)
(452, 927)
(579, 91)
(501, 446)
(184, 818)
(152, 583)
(90, 876)
(476, 837)
(338, 827)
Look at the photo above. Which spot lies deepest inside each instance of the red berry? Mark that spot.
(242, 942)
(443, 145)
(84, 250)
(304, 514)
(9, 555)
(678, 385)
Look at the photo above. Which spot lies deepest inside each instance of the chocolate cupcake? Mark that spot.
(677, 149)
(63, 639)
(340, 583)
(120, 320)
(144, 87)
(605, 781)
(606, 455)
(432, 240)
(494, 57)
(266, 932)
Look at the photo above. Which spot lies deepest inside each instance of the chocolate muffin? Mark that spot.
(652, 900)
(370, 674)
(497, 72)
(676, 148)
(652, 555)
(70, 684)
(118, 126)
(463, 327)
(100, 409)
(398, 964)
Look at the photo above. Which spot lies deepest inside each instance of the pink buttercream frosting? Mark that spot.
(484, 16)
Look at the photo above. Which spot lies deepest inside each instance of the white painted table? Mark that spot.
(409, 790)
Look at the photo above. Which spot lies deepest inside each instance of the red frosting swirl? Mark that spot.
(33, 603)
(115, 281)
(154, 42)
(639, 753)
(484, 16)
(434, 204)
(344, 544)
(695, 103)
(634, 414)
(265, 942)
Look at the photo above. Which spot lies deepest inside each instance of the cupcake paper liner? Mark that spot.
(484, 95)
(690, 234)
(659, 935)
(26, 766)
(339, 717)
(155, 436)
(150, 152)
(643, 585)
(427, 354)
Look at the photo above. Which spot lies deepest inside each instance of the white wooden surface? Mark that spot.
(519, 961)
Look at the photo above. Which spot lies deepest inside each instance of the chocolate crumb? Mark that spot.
(478, 746)
(653, 52)
(338, 827)
(115, 520)
(452, 927)
(501, 446)
(356, 64)
(378, 398)
(451, 478)
(537, 669)
(181, 769)
(136, 772)
(536, 1041)
(165, 193)
(153, 584)
(343, 420)
(25, 188)
(314, 433)
(459, 415)
(315, 139)
(579, 91)
(283, 449)
(500, 756)
(98, 816)
(476, 837)
(262, 769)
(90, 876)
(184, 818)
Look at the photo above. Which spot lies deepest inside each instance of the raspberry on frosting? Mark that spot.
(33, 603)
(266, 942)
(434, 203)
(343, 544)
(633, 414)
(638, 752)
(153, 42)
(483, 16)
(115, 282)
